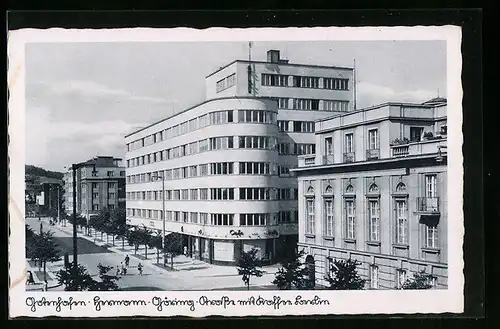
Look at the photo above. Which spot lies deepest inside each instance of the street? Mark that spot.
(153, 278)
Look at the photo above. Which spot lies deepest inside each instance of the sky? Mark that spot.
(83, 98)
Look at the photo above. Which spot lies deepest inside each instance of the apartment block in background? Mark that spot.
(100, 183)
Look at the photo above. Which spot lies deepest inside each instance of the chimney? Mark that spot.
(273, 56)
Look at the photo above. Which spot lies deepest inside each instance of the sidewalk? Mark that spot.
(181, 263)
(38, 277)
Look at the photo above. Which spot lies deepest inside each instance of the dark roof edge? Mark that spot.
(192, 107)
(288, 64)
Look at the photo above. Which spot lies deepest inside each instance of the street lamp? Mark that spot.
(162, 177)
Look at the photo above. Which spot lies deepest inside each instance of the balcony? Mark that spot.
(307, 160)
(428, 205)
(328, 159)
(349, 157)
(372, 154)
(420, 148)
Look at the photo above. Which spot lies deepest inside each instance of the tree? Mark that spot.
(117, 223)
(134, 239)
(144, 237)
(156, 242)
(79, 281)
(248, 266)
(343, 275)
(420, 280)
(83, 281)
(107, 282)
(43, 250)
(292, 272)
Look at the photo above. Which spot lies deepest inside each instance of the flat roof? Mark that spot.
(380, 106)
(288, 64)
(192, 107)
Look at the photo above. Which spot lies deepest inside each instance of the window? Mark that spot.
(111, 195)
(310, 229)
(221, 117)
(222, 194)
(400, 278)
(255, 193)
(122, 173)
(335, 106)
(176, 195)
(335, 84)
(444, 130)
(282, 102)
(177, 216)
(349, 146)
(95, 196)
(194, 194)
(373, 139)
(95, 207)
(328, 217)
(256, 142)
(194, 217)
(219, 143)
(204, 194)
(221, 168)
(283, 125)
(185, 194)
(351, 219)
(373, 277)
(254, 219)
(374, 220)
(328, 146)
(306, 104)
(401, 222)
(430, 186)
(95, 185)
(416, 133)
(221, 219)
(111, 173)
(431, 235)
(254, 168)
(274, 80)
(306, 82)
(203, 169)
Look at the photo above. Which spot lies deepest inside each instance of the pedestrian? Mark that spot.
(185, 250)
(46, 286)
(117, 271)
(139, 267)
(124, 270)
(127, 260)
(31, 280)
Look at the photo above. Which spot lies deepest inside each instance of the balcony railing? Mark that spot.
(372, 154)
(306, 160)
(400, 150)
(349, 157)
(309, 161)
(428, 205)
(328, 159)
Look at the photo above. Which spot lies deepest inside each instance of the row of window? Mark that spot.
(281, 80)
(109, 173)
(217, 168)
(95, 207)
(216, 117)
(296, 149)
(226, 83)
(312, 104)
(245, 193)
(296, 126)
(204, 145)
(373, 220)
(259, 219)
(109, 184)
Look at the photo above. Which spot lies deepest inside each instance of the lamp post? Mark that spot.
(162, 177)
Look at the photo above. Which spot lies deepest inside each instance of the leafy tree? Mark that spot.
(79, 282)
(83, 281)
(117, 223)
(100, 221)
(343, 275)
(292, 272)
(156, 242)
(420, 280)
(43, 249)
(248, 266)
(107, 282)
(133, 239)
(144, 237)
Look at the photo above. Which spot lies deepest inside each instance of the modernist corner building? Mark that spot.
(225, 163)
(376, 191)
(100, 183)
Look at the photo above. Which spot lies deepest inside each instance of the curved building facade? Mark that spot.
(222, 189)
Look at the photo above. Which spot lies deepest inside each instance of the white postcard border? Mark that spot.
(340, 302)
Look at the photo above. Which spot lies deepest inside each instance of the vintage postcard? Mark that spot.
(235, 172)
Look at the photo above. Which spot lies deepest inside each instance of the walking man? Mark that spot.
(124, 270)
(139, 267)
(127, 260)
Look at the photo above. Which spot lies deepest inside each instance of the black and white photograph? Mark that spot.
(236, 169)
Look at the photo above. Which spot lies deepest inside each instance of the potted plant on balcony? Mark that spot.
(398, 141)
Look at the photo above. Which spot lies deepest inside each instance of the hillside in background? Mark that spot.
(40, 172)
